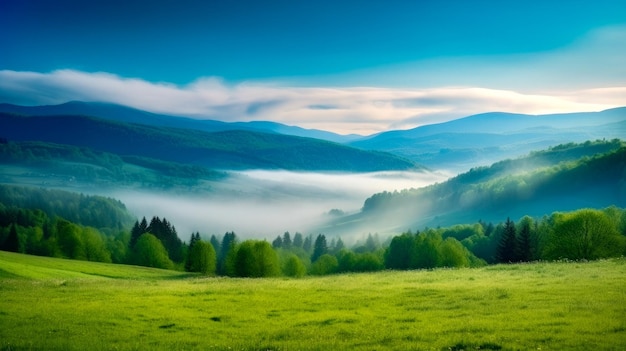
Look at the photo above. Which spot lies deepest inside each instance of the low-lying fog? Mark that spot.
(264, 204)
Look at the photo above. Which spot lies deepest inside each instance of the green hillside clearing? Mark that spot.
(59, 304)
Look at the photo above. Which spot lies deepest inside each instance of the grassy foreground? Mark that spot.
(48, 303)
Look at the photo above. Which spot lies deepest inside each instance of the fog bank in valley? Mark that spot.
(264, 204)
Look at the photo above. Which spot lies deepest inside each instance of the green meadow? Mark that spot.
(55, 304)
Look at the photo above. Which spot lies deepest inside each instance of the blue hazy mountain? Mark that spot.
(486, 138)
(131, 115)
(227, 150)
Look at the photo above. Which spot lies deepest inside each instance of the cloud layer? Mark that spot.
(360, 110)
(586, 76)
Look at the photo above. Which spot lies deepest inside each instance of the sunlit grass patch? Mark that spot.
(548, 306)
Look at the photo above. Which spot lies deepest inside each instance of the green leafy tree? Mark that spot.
(346, 261)
(583, 234)
(325, 264)
(400, 252)
(256, 259)
(94, 246)
(426, 253)
(69, 240)
(150, 252)
(453, 254)
(202, 258)
(294, 267)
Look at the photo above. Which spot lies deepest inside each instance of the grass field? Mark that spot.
(54, 304)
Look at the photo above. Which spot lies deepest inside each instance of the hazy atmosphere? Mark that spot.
(265, 204)
(312, 175)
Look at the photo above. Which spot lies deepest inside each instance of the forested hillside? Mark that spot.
(57, 165)
(233, 149)
(566, 177)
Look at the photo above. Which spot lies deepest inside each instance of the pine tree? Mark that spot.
(12, 242)
(308, 243)
(297, 240)
(277, 243)
(506, 252)
(216, 243)
(287, 240)
(195, 238)
(320, 248)
(524, 253)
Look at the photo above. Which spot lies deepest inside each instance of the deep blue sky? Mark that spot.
(179, 41)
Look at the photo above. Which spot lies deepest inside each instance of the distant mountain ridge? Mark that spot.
(223, 150)
(455, 146)
(131, 115)
(486, 138)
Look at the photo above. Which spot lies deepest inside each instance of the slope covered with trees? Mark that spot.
(232, 149)
(562, 178)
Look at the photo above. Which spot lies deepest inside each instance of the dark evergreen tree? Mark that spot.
(524, 240)
(216, 244)
(507, 252)
(286, 240)
(297, 240)
(135, 233)
(277, 243)
(320, 248)
(192, 241)
(12, 242)
(307, 245)
(339, 245)
(229, 242)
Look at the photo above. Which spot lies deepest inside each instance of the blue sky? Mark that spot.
(236, 56)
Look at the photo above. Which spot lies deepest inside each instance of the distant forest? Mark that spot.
(63, 224)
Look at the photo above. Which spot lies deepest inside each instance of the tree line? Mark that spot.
(585, 234)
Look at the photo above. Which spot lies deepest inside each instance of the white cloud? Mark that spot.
(354, 109)
(587, 76)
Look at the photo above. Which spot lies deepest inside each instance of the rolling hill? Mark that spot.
(562, 178)
(131, 115)
(486, 138)
(230, 149)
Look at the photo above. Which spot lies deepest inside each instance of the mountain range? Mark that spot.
(482, 139)
(222, 150)
(455, 146)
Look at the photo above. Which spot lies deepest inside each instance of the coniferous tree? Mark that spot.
(12, 242)
(194, 239)
(229, 241)
(278, 242)
(507, 252)
(135, 233)
(216, 243)
(524, 240)
(320, 248)
(287, 240)
(297, 240)
(307, 245)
